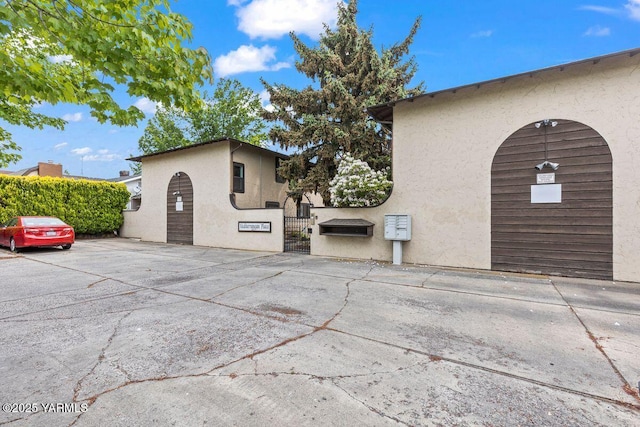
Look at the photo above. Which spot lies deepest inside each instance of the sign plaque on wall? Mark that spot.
(546, 178)
(254, 227)
(548, 193)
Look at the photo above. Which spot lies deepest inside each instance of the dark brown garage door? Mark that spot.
(570, 238)
(180, 210)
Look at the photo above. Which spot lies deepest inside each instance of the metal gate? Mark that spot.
(297, 231)
(296, 235)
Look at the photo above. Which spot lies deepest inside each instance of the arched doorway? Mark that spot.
(557, 220)
(180, 209)
(297, 215)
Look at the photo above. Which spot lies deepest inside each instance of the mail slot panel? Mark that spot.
(397, 227)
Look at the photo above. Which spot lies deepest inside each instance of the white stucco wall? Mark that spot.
(444, 147)
(215, 219)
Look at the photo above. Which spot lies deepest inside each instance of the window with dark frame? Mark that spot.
(238, 177)
(304, 210)
(279, 178)
(272, 205)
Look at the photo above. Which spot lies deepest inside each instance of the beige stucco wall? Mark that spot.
(215, 219)
(260, 178)
(444, 147)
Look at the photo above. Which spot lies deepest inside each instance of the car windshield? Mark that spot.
(33, 222)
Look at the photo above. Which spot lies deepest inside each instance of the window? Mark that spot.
(272, 205)
(238, 177)
(304, 210)
(279, 179)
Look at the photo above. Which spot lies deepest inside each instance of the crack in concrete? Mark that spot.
(436, 358)
(248, 284)
(101, 357)
(91, 400)
(625, 384)
(346, 301)
(369, 407)
(140, 288)
(459, 292)
(325, 326)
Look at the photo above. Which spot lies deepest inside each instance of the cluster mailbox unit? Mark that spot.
(397, 227)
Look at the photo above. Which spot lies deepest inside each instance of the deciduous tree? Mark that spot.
(79, 51)
(233, 111)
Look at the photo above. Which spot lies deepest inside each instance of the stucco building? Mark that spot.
(534, 173)
(221, 193)
(464, 169)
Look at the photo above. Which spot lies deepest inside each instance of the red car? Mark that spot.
(36, 231)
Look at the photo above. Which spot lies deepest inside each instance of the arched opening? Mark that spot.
(180, 209)
(297, 213)
(555, 219)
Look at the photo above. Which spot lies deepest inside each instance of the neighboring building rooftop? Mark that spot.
(42, 169)
(125, 176)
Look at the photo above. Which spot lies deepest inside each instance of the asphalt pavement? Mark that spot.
(119, 332)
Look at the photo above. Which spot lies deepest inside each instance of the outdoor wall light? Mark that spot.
(552, 165)
(546, 122)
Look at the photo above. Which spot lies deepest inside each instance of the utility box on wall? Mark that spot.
(397, 227)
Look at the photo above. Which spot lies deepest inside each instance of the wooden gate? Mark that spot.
(571, 238)
(180, 210)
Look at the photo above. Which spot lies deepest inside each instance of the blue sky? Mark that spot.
(460, 42)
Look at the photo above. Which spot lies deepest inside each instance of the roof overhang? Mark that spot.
(383, 113)
(202, 144)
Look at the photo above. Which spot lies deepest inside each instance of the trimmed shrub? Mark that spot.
(90, 207)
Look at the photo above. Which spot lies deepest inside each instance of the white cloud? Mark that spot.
(146, 105)
(598, 31)
(275, 18)
(633, 7)
(246, 59)
(485, 33)
(75, 117)
(600, 9)
(60, 146)
(81, 151)
(265, 100)
(103, 155)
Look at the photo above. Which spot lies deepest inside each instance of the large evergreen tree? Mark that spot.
(329, 118)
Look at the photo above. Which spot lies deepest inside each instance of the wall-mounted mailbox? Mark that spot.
(346, 227)
(397, 227)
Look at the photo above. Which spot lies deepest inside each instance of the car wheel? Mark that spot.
(12, 245)
(67, 246)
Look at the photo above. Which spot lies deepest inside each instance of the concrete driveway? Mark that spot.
(123, 333)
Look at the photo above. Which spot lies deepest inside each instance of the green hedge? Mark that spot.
(91, 207)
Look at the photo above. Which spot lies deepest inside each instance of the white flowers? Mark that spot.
(357, 185)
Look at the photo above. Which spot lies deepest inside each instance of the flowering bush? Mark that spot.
(357, 185)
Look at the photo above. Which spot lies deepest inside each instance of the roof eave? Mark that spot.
(383, 113)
